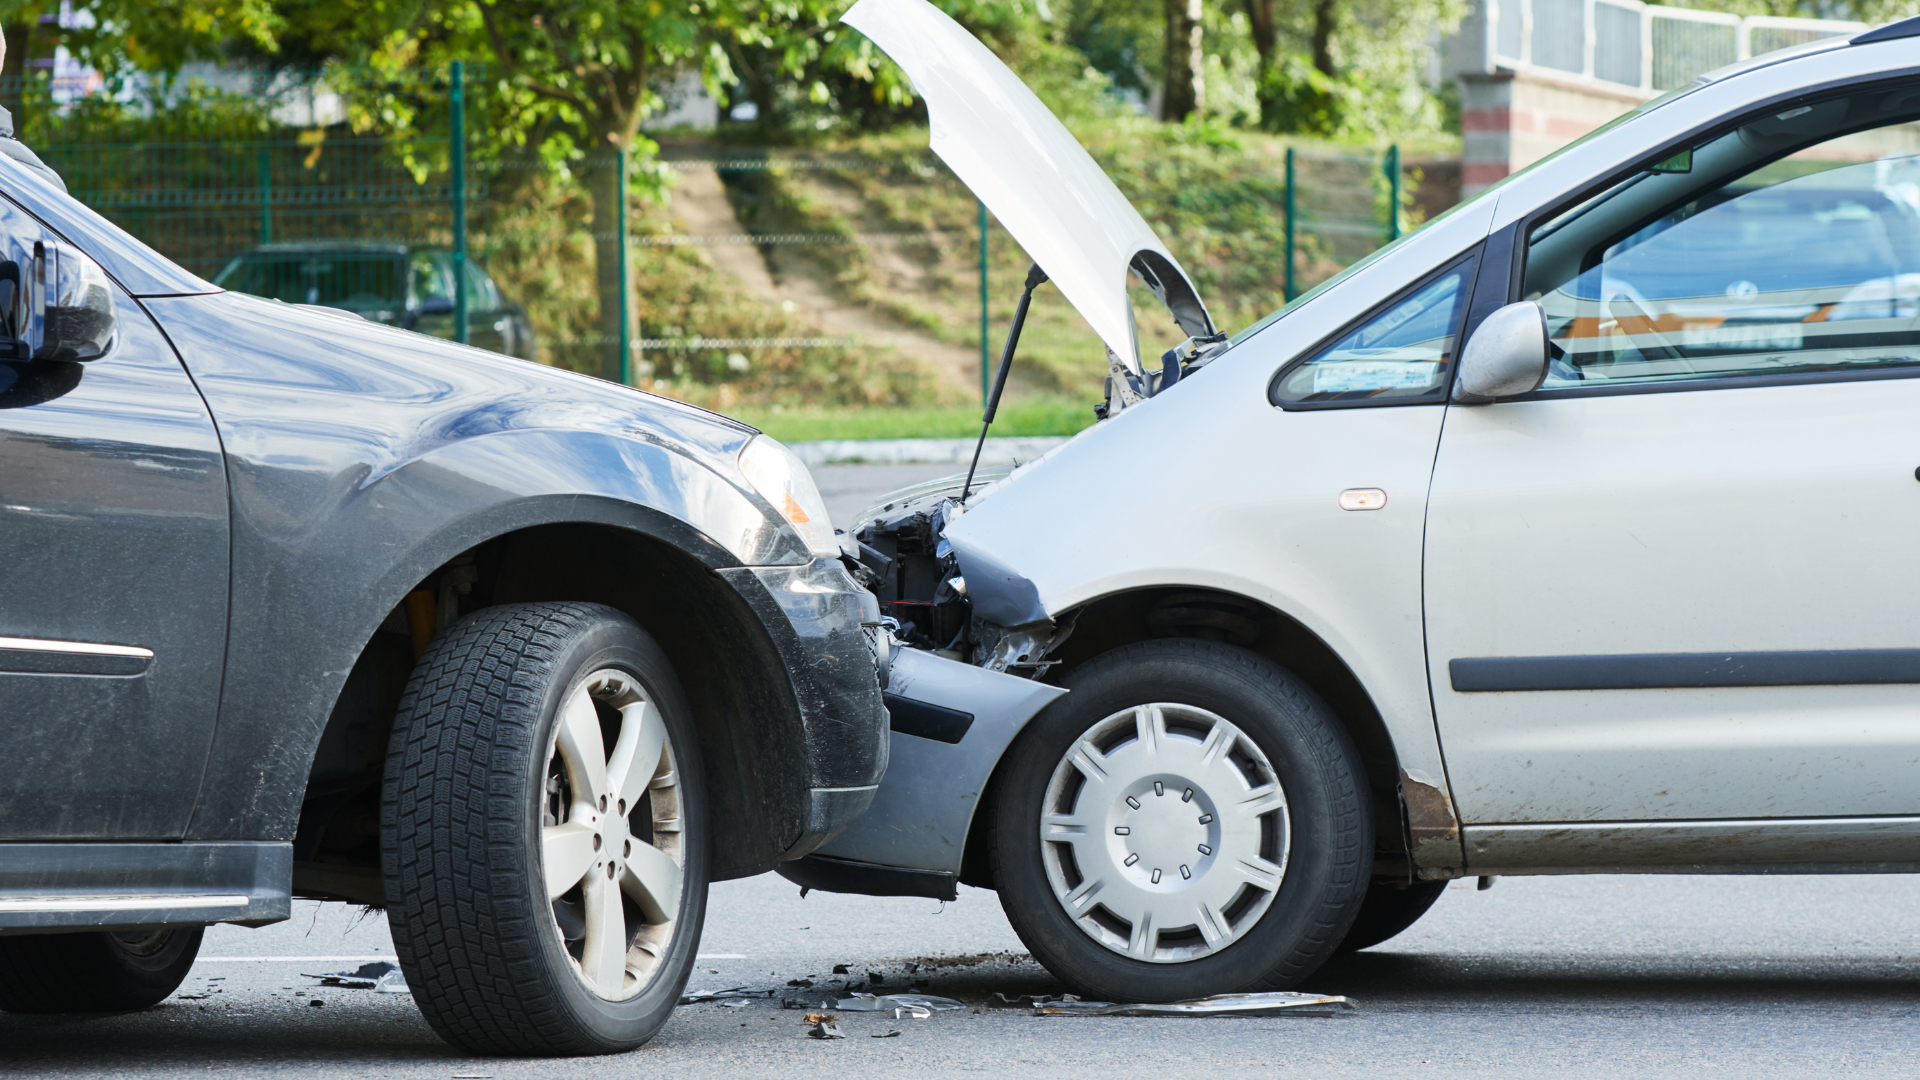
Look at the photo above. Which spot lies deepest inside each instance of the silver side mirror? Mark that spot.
(1507, 355)
(55, 304)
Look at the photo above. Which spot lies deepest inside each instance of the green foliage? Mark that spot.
(1040, 416)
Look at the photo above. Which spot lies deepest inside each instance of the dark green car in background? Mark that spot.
(412, 288)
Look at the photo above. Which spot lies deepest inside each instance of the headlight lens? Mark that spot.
(783, 480)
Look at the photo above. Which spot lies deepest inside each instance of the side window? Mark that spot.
(430, 279)
(1400, 355)
(480, 291)
(1776, 249)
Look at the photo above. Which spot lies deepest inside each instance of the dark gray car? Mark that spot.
(408, 287)
(294, 604)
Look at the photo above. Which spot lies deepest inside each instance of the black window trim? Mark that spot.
(1517, 233)
(1439, 394)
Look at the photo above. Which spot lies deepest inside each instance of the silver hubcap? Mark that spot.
(610, 843)
(1164, 833)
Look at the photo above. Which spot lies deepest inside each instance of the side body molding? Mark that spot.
(918, 823)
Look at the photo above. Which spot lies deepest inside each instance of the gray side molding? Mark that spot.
(55, 887)
(926, 802)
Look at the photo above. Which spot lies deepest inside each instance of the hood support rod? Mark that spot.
(1036, 277)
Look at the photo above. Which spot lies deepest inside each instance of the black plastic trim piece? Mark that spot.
(1728, 382)
(925, 720)
(1675, 671)
(1905, 28)
(828, 874)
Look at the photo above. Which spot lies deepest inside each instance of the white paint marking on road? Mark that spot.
(371, 959)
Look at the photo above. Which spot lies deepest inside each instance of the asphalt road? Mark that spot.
(1590, 976)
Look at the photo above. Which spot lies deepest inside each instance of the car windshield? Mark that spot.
(357, 281)
(1381, 252)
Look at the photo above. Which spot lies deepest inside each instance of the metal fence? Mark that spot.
(276, 181)
(1635, 45)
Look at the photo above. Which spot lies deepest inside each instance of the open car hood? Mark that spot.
(1032, 173)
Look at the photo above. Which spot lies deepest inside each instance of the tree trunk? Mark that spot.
(1260, 28)
(19, 34)
(1183, 90)
(1324, 15)
(609, 203)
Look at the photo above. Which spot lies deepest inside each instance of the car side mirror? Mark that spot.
(1507, 355)
(436, 305)
(55, 304)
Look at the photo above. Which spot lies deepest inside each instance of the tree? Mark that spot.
(1182, 89)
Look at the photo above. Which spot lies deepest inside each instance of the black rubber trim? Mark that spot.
(1905, 28)
(1675, 671)
(926, 721)
(828, 874)
(45, 662)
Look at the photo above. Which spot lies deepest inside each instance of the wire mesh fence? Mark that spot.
(840, 272)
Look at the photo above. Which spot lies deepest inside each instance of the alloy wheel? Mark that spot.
(611, 846)
(1164, 832)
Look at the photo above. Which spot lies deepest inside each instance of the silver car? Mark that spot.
(1572, 533)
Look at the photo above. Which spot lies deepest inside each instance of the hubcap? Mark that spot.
(1164, 833)
(610, 842)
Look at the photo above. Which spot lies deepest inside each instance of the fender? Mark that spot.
(414, 451)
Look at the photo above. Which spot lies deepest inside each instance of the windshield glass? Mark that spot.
(357, 281)
(1380, 252)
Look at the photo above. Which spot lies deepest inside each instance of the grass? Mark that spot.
(1046, 416)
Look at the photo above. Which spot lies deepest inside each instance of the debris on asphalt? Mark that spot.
(911, 968)
(825, 1026)
(316, 1003)
(792, 1003)
(917, 1012)
(888, 1035)
(840, 969)
(890, 1002)
(734, 1003)
(1026, 1001)
(1277, 1003)
(380, 976)
(874, 978)
(694, 997)
(802, 983)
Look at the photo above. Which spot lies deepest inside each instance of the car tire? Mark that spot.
(1390, 907)
(1203, 912)
(533, 910)
(97, 971)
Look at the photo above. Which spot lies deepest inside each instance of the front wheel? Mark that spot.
(543, 832)
(1189, 820)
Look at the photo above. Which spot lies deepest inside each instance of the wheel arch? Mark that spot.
(644, 563)
(1146, 614)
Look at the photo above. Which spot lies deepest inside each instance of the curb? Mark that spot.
(998, 451)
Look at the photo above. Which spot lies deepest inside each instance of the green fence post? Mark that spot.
(1292, 206)
(457, 154)
(1393, 192)
(266, 197)
(626, 332)
(984, 359)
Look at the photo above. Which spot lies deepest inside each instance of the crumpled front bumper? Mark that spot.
(826, 627)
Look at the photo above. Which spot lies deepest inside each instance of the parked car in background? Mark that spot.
(412, 288)
(297, 604)
(1571, 533)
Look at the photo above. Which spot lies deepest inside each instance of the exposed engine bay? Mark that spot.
(961, 605)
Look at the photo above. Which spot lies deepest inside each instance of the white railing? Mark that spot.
(1629, 44)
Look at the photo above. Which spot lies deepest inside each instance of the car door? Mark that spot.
(113, 585)
(1676, 583)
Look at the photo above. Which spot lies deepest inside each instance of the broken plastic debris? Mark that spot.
(825, 1026)
(1026, 1001)
(800, 982)
(890, 1002)
(380, 976)
(734, 1003)
(1278, 1003)
(840, 969)
(888, 1035)
(917, 1012)
(693, 997)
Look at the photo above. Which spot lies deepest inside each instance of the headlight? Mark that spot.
(782, 479)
